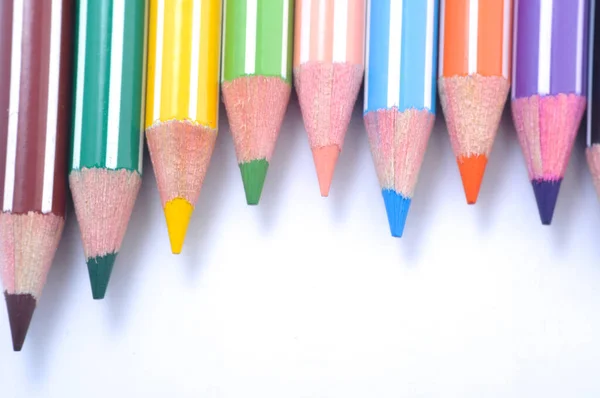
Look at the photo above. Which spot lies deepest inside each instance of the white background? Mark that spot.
(305, 297)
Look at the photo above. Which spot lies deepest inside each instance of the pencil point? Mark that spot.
(325, 159)
(396, 206)
(20, 309)
(178, 213)
(546, 194)
(472, 169)
(253, 177)
(100, 269)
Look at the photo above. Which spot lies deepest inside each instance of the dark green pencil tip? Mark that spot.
(253, 176)
(100, 268)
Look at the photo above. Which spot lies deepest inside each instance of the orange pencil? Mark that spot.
(474, 80)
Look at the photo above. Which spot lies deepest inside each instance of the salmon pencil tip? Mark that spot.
(325, 159)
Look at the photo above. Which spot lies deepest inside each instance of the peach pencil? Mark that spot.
(328, 72)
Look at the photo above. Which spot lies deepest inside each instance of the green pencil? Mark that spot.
(256, 82)
(107, 130)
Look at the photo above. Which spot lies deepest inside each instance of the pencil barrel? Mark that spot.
(110, 67)
(258, 39)
(329, 32)
(184, 62)
(35, 87)
(475, 38)
(550, 48)
(593, 110)
(401, 55)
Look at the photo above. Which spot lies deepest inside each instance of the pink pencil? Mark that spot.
(328, 72)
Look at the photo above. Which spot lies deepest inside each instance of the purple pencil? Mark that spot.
(549, 89)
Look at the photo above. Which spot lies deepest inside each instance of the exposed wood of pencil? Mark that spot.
(593, 158)
(255, 107)
(180, 153)
(104, 200)
(29, 242)
(327, 94)
(473, 106)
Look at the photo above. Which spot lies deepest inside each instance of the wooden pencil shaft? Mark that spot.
(401, 58)
(550, 48)
(258, 39)
(593, 111)
(475, 38)
(35, 88)
(184, 59)
(109, 84)
(329, 31)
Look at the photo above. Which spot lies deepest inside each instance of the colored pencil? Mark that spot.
(328, 72)
(256, 82)
(35, 88)
(400, 93)
(474, 80)
(182, 104)
(549, 89)
(593, 106)
(107, 137)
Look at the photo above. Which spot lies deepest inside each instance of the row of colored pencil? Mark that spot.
(160, 66)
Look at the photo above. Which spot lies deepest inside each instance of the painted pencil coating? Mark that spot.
(593, 105)
(328, 72)
(475, 38)
(35, 85)
(33, 142)
(107, 127)
(256, 81)
(109, 70)
(184, 61)
(550, 47)
(549, 89)
(258, 39)
(182, 103)
(400, 88)
(474, 80)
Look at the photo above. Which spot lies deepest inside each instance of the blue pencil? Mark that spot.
(400, 94)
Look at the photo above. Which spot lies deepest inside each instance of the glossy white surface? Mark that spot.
(310, 297)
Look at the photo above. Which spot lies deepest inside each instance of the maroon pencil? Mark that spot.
(35, 89)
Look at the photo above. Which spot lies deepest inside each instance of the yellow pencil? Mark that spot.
(182, 104)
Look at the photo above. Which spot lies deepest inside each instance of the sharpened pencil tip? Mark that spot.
(254, 174)
(20, 309)
(178, 213)
(396, 206)
(325, 159)
(100, 269)
(546, 194)
(472, 169)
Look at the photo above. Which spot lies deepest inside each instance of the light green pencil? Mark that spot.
(256, 82)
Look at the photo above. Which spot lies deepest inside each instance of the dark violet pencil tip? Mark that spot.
(20, 311)
(546, 194)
